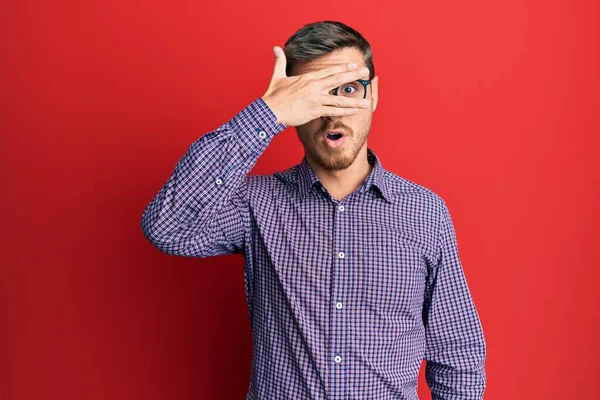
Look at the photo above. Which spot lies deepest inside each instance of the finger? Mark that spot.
(336, 69)
(326, 111)
(280, 63)
(336, 80)
(341, 101)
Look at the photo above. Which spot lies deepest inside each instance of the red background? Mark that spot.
(492, 104)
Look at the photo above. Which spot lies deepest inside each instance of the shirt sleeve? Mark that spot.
(202, 210)
(455, 346)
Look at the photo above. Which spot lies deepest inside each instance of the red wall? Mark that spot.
(492, 104)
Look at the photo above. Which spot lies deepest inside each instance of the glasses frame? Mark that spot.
(364, 82)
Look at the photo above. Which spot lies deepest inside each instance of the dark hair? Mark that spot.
(317, 39)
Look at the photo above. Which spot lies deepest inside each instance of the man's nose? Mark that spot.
(331, 117)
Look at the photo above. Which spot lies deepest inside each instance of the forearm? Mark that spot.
(205, 178)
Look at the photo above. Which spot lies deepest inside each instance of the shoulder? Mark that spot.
(412, 194)
(404, 187)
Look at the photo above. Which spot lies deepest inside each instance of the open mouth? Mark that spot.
(334, 139)
(334, 136)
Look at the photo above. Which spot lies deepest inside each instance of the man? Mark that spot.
(352, 273)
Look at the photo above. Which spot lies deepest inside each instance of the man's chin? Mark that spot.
(337, 161)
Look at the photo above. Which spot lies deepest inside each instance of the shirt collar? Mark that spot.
(376, 178)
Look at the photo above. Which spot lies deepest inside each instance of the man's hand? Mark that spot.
(298, 99)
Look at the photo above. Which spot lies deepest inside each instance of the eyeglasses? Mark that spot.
(353, 89)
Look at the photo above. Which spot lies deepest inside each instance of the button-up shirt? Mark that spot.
(345, 297)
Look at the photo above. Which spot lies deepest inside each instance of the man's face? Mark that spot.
(356, 126)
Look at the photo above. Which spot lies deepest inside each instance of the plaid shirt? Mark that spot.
(345, 297)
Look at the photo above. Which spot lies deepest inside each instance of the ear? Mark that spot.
(374, 96)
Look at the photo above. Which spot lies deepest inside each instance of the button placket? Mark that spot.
(341, 270)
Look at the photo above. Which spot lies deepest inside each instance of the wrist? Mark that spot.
(271, 104)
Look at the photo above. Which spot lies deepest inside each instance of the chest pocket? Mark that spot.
(392, 273)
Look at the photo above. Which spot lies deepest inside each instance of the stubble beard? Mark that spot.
(342, 157)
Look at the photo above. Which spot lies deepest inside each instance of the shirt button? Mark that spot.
(338, 305)
(262, 134)
(341, 208)
(218, 181)
(338, 359)
(341, 254)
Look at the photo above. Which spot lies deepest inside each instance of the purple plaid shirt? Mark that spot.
(345, 297)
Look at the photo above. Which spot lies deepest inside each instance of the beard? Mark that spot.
(342, 157)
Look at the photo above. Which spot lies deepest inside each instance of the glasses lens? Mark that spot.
(353, 90)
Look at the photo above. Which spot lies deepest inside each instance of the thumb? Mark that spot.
(280, 63)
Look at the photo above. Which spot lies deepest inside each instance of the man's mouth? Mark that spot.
(334, 134)
(333, 138)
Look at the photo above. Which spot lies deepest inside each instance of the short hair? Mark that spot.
(317, 39)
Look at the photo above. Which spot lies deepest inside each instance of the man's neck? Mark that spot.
(343, 182)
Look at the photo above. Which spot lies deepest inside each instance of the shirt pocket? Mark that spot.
(392, 274)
